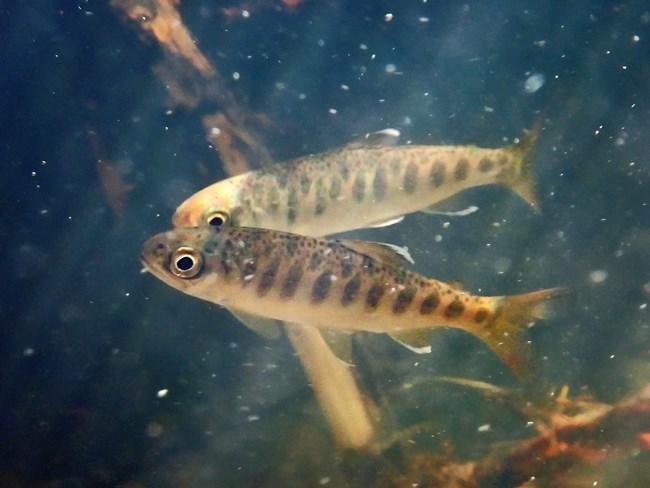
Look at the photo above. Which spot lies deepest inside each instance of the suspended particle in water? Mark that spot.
(534, 82)
(598, 276)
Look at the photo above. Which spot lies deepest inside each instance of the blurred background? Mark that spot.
(111, 378)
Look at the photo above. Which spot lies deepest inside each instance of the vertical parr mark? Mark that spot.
(410, 177)
(335, 188)
(404, 299)
(351, 290)
(462, 168)
(437, 173)
(481, 315)
(291, 281)
(379, 183)
(455, 308)
(321, 200)
(359, 188)
(374, 295)
(292, 204)
(430, 303)
(273, 200)
(267, 280)
(485, 165)
(321, 287)
(305, 183)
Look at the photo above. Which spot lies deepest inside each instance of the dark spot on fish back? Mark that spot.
(485, 165)
(344, 167)
(292, 244)
(267, 280)
(437, 173)
(351, 290)
(321, 287)
(481, 315)
(374, 295)
(430, 303)
(291, 281)
(455, 308)
(315, 260)
(404, 299)
(359, 188)
(502, 160)
(282, 177)
(347, 266)
(462, 167)
(410, 177)
(379, 183)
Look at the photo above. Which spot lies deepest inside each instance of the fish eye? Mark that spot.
(186, 262)
(216, 218)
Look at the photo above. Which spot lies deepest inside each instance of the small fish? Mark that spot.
(339, 286)
(364, 184)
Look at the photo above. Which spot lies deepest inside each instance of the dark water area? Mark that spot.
(111, 378)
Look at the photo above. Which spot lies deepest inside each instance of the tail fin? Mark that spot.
(504, 333)
(522, 180)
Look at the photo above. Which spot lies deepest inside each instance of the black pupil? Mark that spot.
(216, 221)
(185, 263)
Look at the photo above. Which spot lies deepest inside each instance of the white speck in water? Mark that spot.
(333, 111)
(215, 131)
(324, 480)
(245, 13)
(345, 87)
(235, 75)
(484, 428)
(438, 238)
(636, 38)
(424, 20)
(643, 306)
(253, 418)
(390, 68)
(598, 276)
(388, 17)
(28, 351)
(534, 82)
(162, 393)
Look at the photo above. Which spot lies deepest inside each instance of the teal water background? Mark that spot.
(87, 341)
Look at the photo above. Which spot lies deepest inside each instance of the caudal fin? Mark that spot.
(504, 332)
(522, 179)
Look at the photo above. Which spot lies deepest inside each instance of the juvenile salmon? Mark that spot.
(358, 185)
(337, 285)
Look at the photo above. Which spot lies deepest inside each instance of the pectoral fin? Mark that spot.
(267, 328)
(416, 340)
(437, 209)
(387, 223)
(389, 254)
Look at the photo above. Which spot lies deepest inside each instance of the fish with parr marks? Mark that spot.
(363, 184)
(337, 285)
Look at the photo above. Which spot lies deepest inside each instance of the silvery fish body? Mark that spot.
(356, 186)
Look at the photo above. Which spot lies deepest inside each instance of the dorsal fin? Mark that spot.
(386, 137)
(389, 254)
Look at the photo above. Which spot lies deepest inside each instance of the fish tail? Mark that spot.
(504, 332)
(522, 179)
